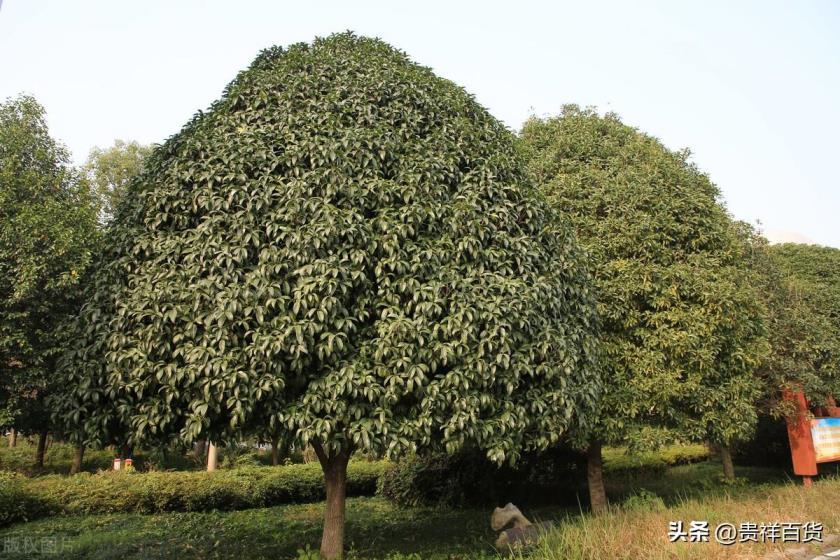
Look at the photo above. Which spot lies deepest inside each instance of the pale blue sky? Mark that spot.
(753, 88)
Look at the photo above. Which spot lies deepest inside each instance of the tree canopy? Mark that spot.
(346, 246)
(809, 328)
(48, 235)
(110, 170)
(682, 329)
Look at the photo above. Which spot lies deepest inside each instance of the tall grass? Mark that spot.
(632, 533)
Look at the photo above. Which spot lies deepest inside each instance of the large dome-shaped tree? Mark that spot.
(682, 330)
(346, 247)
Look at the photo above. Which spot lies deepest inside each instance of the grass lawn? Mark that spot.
(377, 529)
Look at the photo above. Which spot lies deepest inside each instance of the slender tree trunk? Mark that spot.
(726, 459)
(275, 451)
(41, 450)
(78, 456)
(212, 461)
(595, 478)
(334, 466)
(12, 437)
(199, 449)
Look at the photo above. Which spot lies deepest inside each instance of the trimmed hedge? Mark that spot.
(617, 460)
(17, 504)
(156, 492)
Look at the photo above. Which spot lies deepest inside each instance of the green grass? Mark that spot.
(376, 529)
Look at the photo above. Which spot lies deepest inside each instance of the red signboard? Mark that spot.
(813, 439)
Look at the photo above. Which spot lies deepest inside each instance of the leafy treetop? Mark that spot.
(682, 331)
(48, 233)
(345, 246)
(812, 342)
(110, 171)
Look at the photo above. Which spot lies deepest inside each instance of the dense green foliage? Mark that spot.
(347, 247)
(682, 328)
(111, 170)
(804, 339)
(48, 233)
(154, 492)
(813, 307)
(16, 504)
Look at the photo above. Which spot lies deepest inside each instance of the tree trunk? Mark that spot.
(199, 449)
(595, 478)
(726, 459)
(12, 437)
(212, 461)
(42, 448)
(76, 466)
(334, 466)
(275, 451)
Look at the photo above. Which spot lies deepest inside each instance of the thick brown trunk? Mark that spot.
(41, 450)
(212, 461)
(334, 465)
(726, 459)
(12, 437)
(275, 451)
(78, 456)
(595, 478)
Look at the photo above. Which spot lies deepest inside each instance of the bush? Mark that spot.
(644, 500)
(618, 460)
(468, 478)
(155, 492)
(16, 504)
(557, 476)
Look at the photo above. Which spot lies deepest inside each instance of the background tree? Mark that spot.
(349, 244)
(47, 236)
(809, 317)
(679, 327)
(110, 170)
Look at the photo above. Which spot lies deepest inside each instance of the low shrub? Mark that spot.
(16, 503)
(468, 478)
(643, 500)
(156, 492)
(617, 460)
(556, 476)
